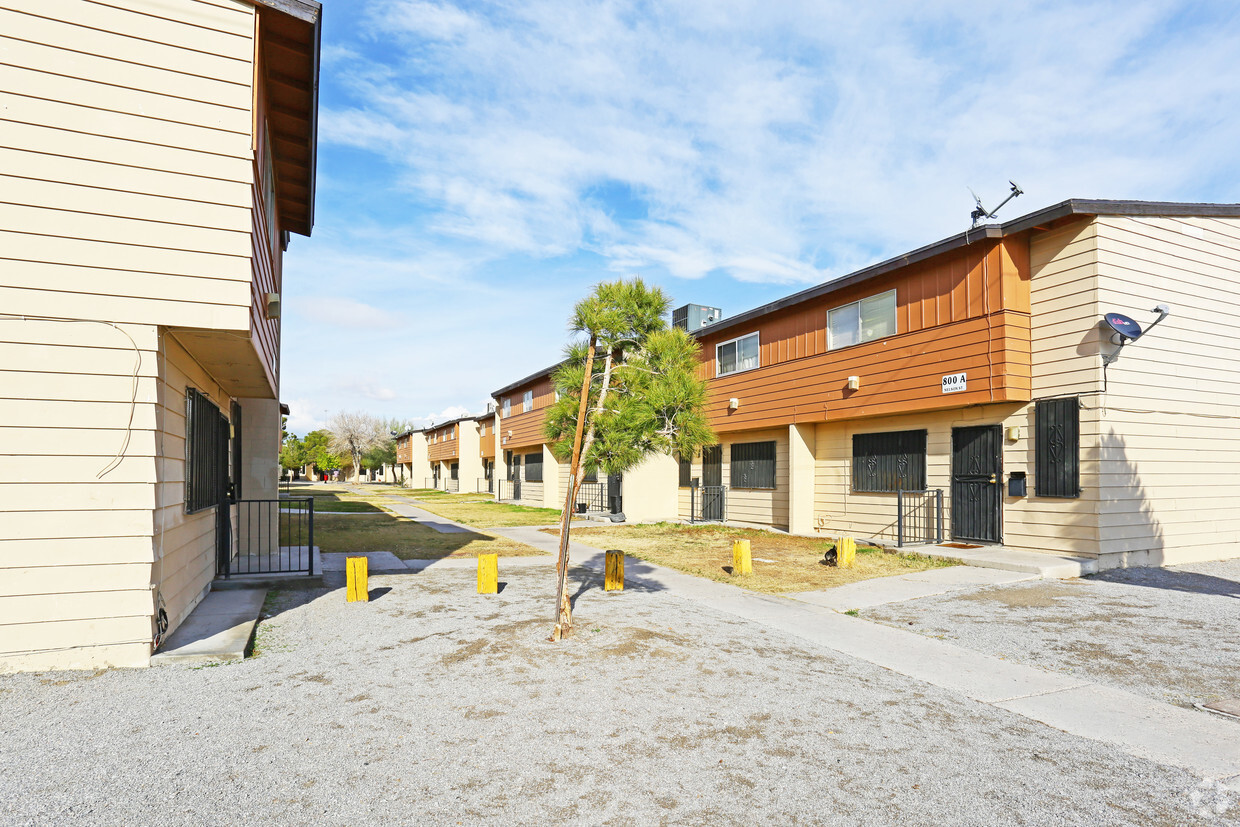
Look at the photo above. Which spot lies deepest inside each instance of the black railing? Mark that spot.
(708, 503)
(452, 486)
(919, 517)
(271, 537)
(591, 498)
(508, 490)
(486, 486)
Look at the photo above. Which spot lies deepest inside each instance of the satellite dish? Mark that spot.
(1123, 325)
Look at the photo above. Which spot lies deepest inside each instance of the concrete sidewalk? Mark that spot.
(218, 629)
(1206, 745)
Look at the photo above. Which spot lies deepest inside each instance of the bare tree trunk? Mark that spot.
(564, 606)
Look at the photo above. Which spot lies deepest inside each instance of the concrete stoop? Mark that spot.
(1045, 565)
(218, 629)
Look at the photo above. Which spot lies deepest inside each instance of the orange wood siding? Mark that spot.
(486, 445)
(526, 428)
(266, 253)
(964, 312)
(446, 446)
(404, 452)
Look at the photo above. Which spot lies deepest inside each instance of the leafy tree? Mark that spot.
(317, 447)
(292, 453)
(353, 434)
(628, 389)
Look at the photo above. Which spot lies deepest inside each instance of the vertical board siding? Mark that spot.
(1170, 438)
(1064, 334)
(126, 137)
(75, 547)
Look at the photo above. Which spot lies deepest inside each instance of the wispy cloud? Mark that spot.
(483, 163)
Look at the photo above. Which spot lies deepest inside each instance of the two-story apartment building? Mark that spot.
(983, 366)
(974, 383)
(155, 156)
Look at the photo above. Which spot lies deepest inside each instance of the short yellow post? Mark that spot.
(742, 562)
(846, 552)
(488, 574)
(356, 569)
(614, 581)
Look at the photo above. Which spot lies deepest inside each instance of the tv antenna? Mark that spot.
(980, 212)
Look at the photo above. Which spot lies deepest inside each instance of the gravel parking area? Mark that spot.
(433, 705)
(1172, 634)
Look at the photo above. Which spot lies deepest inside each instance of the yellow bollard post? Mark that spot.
(614, 581)
(488, 574)
(846, 552)
(742, 561)
(356, 570)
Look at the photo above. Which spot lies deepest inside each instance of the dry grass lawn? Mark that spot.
(780, 563)
(481, 510)
(407, 539)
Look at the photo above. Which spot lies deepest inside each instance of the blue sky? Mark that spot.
(482, 165)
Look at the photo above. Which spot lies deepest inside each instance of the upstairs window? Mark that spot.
(1057, 448)
(890, 461)
(753, 465)
(737, 355)
(527, 402)
(862, 321)
(507, 406)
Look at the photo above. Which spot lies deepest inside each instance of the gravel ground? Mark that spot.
(1171, 634)
(433, 705)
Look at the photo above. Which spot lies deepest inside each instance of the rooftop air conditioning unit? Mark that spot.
(693, 317)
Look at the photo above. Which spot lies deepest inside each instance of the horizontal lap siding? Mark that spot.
(184, 543)
(126, 159)
(755, 506)
(526, 427)
(1171, 428)
(266, 252)
(76, 547)
(1036, 523)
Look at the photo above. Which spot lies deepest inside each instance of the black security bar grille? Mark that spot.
(206, 452)
(753, 465)
(1057, 447)
(887, 462)
(533, 467)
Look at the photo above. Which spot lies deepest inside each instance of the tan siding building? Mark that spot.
(150, 194)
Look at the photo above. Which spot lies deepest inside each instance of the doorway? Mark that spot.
(977, 487)
(712, 483)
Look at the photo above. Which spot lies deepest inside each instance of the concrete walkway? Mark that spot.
(441, 524)
(218, 629)
(881, 590)
(1204, 744)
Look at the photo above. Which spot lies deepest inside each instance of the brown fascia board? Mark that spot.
(447, 422)
(525, 381)
(309, 13)
(1071, 207)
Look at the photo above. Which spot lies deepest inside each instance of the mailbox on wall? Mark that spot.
(1016, 484)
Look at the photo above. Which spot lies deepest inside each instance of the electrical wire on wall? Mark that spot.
(119, 457)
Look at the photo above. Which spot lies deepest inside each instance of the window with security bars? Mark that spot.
(753, 465)
(533, 467)
(591, 475)
(1057, 448)
(890, 461)
(686, 472)
(206, 452)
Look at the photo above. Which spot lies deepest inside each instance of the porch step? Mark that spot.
(1046, 565)
(218, 629)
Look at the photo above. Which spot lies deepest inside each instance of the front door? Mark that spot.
(712, 482)
(977, 487)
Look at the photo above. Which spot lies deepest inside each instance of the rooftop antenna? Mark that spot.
(980, 212)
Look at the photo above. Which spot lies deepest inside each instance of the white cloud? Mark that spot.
(339, 311)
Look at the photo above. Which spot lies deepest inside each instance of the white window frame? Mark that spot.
(527, 402)
(507, 407)
(737, 341)
(894, 319)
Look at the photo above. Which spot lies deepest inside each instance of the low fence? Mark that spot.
(708, 504)
(270, 537)
(591, 498)
(919, 517)
(507, 490)
(486, 486)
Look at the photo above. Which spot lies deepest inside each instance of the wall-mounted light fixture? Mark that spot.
(1013, 433)
(854, 383)
(733, 403)
(273, 305)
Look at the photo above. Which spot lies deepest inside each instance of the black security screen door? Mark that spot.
(712, 482)
(977, 472)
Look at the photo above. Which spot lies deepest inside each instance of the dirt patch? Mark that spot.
(1039, 596)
